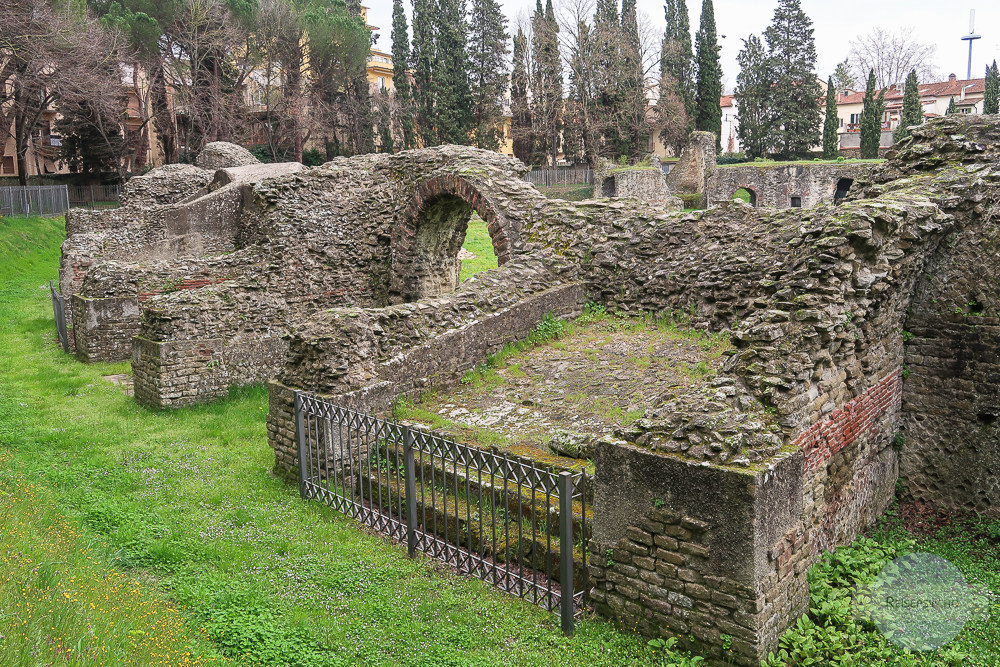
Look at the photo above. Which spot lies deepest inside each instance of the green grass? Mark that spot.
(479, 243)
(567, 192)
(171, 525)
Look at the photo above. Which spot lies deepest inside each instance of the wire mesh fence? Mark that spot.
(30, 200)
(514, 524)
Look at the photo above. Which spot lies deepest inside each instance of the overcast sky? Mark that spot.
(836, 22)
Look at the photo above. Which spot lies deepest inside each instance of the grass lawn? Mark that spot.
(134, 537)
(479, 243)
(138, 537)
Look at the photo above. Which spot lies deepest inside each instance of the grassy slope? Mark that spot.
(182, 505)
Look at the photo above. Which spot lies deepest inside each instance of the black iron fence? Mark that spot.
(512, 523)
(59, 311)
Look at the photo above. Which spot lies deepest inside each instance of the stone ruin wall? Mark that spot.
(774, 186)
(798, 435)
(792, 451)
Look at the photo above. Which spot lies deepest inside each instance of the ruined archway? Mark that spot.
(425, 246)
(843, 187)
(743, 193)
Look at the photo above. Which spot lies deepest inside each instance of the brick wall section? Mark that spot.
(857, 418)
(178, 373)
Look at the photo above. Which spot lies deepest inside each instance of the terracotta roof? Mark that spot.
(937, 89)
(726, 101)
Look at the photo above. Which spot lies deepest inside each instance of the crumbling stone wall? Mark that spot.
(695, 165)
(647, 184)
(777, 185)
(798, 436)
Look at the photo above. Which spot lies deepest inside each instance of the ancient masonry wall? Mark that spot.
(726, 551)
(382, 354)
(776, 186)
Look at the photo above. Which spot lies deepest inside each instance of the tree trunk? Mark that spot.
(165, 131)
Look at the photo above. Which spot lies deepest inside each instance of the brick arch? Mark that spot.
(431, 230)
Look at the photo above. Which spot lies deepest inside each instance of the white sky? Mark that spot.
(835, 22)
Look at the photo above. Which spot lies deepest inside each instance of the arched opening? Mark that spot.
(448, 223)
(747, 195)
(843, 187)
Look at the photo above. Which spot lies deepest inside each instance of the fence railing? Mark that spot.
(59, 312)
(560, 176)
(43, 200)
(94, 196)
(513, 524)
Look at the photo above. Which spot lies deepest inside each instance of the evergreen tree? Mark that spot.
(871, 119)
(634, 131)
(676, 56)
(607, 37)
(830, 139)
(488, 76)
(401, 72)
(843, 78)
(795, 99)
(753, 94)
(546, 83)
(451, 74)
(521, 130)
(952, 107)
(423, 60)
(913, 112)
(991, 99)
(708, 112)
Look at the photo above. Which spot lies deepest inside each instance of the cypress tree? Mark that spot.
(795, 101)
(607, 36)
(991, 99)
(401, 72)
(634, 132)
(753, 94)
(546, 83)
(952, 107)
(451, 74)
(708, 112)
(423, 59)
(677, 58)
(521, 131)
(871, 119)
(831, 124)
(489, 76)
(913, 112)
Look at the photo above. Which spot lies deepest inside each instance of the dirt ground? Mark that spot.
(570, 392)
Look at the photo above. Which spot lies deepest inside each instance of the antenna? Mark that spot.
(971, 37)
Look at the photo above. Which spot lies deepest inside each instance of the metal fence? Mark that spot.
(43, 200)
(560, 176)
(94, 196)
(59, 311)
(518, 526)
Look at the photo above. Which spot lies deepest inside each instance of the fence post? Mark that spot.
(302, 441)
(411, 492)
(566, 551)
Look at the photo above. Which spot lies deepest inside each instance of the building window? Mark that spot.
(855, 118)
(381, 83)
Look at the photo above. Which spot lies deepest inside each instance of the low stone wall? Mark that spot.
(776, 186)
(103, 328)
(381, 354)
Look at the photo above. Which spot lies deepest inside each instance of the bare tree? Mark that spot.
(891, 54)
(49, 57)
